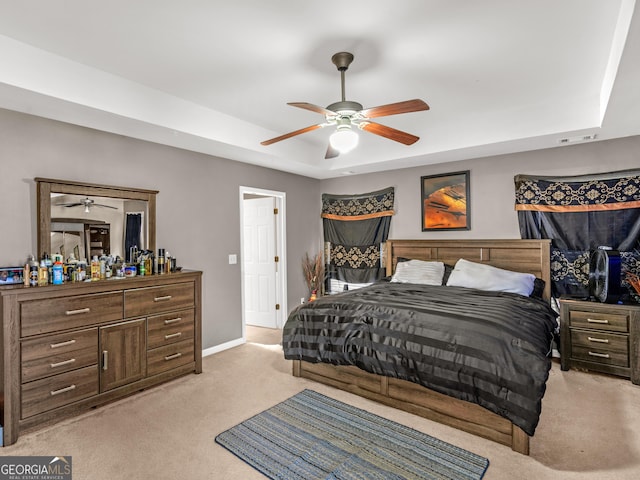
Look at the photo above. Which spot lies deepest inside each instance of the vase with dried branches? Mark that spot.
(313, 271)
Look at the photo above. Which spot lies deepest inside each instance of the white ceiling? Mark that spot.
(500, 76)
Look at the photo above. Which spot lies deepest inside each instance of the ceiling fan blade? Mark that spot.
(390, 133)
(70, 204)
(103, 206)
(407, 106)
(312, 107)
(292, 134)
(331, 152)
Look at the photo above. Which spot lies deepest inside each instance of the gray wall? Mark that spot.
(198, 204)
(491, 182)
(198, 214)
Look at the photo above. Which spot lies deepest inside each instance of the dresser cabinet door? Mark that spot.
(123, 349)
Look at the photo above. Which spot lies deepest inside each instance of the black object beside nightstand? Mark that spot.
(601, 337)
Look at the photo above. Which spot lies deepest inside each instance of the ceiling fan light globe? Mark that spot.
(344, 140)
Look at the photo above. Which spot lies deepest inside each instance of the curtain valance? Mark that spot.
(358, 207)
(587, 193)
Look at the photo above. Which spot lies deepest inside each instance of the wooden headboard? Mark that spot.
(527, 256)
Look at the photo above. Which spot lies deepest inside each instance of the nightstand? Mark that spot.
(601, 337)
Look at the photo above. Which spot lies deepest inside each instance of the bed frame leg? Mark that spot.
(295, 368)
(519, 440)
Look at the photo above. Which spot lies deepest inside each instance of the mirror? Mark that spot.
(89, 219)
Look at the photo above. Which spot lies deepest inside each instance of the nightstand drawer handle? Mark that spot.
(63, 390)
(162, 299)
(601, 355)
(77, 312)
(172, 335)
(596, 320)
(60, 364)
(172, 357)
(63, 344)
(598, 340)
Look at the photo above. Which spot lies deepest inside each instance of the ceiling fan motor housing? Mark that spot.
(345, 107)
(605, 275)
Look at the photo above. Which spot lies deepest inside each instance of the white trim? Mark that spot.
(281, 249)
(224, 346)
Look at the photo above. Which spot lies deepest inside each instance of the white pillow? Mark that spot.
(419, 271)
(485, 277)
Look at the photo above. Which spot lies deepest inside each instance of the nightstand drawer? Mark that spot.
(612, 322)
(604, 348)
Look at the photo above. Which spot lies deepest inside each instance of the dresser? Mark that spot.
(68, 348)
(600, 337)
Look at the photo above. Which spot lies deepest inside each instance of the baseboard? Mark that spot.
(223, 346)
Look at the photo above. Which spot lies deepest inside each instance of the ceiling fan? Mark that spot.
(347, 114)
(87, 203)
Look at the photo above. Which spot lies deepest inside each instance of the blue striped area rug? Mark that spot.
(311, 436)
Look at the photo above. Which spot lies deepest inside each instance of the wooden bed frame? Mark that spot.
(530, 256)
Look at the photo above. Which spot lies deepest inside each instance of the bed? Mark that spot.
(374, 341)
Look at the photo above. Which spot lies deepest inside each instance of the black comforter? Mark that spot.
(488, 348)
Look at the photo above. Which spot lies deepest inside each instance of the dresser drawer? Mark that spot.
(170, 356)
(144, 301)
(169, 328)
(53, 354)
(599, 347)
(612, 322)
(51, 315)
(53, 392)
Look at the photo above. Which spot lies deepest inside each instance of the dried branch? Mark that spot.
(313, 271)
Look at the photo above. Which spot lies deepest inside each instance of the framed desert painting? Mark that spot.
(445, 201)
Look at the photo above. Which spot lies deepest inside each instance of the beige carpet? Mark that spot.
(589, 429)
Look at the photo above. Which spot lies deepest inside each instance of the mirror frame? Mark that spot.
(46, 186)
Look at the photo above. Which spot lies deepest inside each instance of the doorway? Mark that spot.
(263, 262)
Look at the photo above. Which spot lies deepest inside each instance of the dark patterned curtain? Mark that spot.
(132, 238)
(579, 214)
(355, 228)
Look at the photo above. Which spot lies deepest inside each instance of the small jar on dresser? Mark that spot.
(600, 337)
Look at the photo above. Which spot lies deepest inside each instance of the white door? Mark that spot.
(259, 259)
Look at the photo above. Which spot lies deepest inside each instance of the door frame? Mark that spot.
(281, 249)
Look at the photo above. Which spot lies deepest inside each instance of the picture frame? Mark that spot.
(446, 201)
(11, 275)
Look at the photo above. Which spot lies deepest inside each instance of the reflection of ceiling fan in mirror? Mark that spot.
(345, 115)
(87, 203)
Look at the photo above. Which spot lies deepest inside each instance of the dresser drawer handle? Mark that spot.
(596, 320)
(172, 320)
(172, 335)
(63, 390)
(172, 357)
(66, 362)
(62, 344)
(600, 355)
(598, 340)
(77, 312)
(162, 299)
